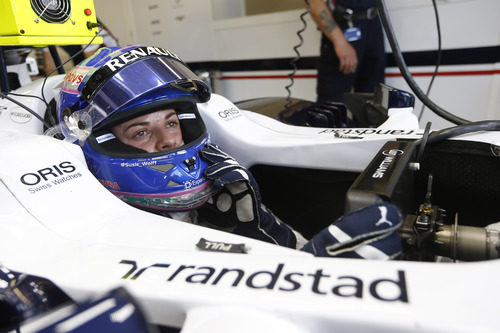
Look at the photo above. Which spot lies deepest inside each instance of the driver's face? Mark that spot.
(153, 132)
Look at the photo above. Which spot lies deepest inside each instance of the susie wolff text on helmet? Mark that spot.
(119, 84)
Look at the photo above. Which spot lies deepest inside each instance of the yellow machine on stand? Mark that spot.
(45, 23)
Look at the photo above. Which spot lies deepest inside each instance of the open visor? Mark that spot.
(109, 91)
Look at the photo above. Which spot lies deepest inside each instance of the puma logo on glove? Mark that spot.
(383, 216)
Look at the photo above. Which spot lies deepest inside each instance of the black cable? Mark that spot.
(36, 115)
(478, 126)
(64, 63)
(398, 57)
(293, 62)
(438, 58)
(31, 96)
(423, 141)
(43, 99)
(446, 133)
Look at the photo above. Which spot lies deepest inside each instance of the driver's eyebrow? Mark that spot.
(144, 123)
(170, 114)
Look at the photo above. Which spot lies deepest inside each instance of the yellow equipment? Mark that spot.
(47, 22)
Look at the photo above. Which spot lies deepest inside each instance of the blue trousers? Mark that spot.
(332, 84)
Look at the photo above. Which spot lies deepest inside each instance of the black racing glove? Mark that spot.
(237, 204)
(368, 233)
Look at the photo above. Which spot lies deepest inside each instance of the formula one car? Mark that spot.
(59, 222)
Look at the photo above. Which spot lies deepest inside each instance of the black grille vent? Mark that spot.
(52, 11)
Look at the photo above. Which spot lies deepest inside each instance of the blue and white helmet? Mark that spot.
(117, 84)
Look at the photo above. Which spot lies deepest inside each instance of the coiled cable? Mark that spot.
(294, 61)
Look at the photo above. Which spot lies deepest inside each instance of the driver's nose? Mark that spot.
(165, 141)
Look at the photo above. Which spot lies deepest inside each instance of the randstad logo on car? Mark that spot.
(280, 278)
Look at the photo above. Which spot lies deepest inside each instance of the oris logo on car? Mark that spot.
(48, 177)
(46, 174)
(229, 114)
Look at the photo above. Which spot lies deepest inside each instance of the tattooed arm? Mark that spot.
(343, 49)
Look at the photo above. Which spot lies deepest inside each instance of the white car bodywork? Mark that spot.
(62, 224)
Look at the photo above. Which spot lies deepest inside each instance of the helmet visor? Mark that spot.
(140, 78)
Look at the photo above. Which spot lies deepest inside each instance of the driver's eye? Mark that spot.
(140, 134)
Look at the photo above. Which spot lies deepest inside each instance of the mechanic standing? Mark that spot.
(352, 55)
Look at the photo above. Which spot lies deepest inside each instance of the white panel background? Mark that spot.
(188, 28)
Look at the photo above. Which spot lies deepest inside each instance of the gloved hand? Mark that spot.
(237, 204)
(24, 296)
(369, 233)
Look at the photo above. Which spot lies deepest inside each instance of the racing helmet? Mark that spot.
(117, 84)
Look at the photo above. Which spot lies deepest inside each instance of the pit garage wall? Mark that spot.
(248, 56)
